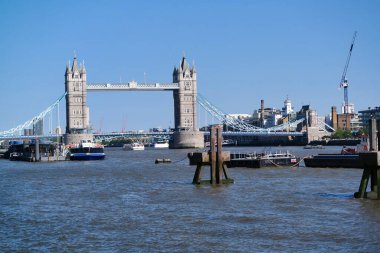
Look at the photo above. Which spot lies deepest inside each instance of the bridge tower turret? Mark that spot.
(185, 112)
(77, 112)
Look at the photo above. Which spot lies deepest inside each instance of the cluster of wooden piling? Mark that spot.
(215, 158)
(371, 166)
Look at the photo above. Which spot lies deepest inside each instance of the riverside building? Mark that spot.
(366, 115)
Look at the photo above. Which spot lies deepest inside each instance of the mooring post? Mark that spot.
(219, 157)
(371, 166)
(216, 160)
(363, 185)
(225, 170)
(37, 148)
(373, 145)
(212, 156)
(197, 174)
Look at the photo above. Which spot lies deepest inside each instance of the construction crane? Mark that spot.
(343, 81)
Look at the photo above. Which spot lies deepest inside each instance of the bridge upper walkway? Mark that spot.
(132, 86)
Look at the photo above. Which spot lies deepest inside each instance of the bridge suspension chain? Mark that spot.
(239, 124)
(323, 126)
(28, 123)
(291, 124)
(225, 118)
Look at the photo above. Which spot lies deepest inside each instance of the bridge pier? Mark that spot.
(187, 139)
(76, 138)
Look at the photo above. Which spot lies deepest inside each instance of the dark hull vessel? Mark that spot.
(333, 161)
(250, 160)
(86, 154)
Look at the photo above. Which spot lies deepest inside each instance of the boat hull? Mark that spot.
(134, 147)
(262, 160)
(161, 145)
(261, 163)
(333, 161)
(87, 156)
(88, 153)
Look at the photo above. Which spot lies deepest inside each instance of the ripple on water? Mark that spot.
(128, 204)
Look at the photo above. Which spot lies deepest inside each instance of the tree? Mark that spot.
(341, 134)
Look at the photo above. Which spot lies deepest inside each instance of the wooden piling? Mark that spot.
(219, 156)
(212, 156)
(371, 167)
(215, 158)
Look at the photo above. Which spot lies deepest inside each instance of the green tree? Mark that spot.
(341, 134)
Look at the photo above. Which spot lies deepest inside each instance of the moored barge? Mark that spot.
(259, 160)
(333, 161)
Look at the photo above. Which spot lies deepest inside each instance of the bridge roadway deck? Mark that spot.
(114, 135)
(206, 133)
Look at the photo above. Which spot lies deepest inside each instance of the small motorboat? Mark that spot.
(161, 144)
(134, 146)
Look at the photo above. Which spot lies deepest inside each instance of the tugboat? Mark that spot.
(86, 150)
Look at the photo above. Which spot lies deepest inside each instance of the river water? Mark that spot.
(127, 203)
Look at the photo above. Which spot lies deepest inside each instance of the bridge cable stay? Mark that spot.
(239, 124)
(28, 123)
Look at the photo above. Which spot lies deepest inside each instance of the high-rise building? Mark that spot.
(38, 127)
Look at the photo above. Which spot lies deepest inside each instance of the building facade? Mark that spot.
(349, 121)
(366, 115)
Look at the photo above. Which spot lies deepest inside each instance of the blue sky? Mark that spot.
(244, 51)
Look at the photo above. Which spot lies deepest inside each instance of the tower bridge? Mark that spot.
(185, 97)
(184, 88)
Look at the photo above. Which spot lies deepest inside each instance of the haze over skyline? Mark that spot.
(244, 51)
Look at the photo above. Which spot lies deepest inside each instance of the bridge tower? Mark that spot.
(186, 134)
(77, 112)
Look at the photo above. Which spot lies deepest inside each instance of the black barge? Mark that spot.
(259, 160)
(334, 161)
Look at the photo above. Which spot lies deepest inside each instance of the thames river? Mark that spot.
(127, 203)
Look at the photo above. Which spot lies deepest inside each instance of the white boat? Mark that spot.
(134, 146)
(86, 150)
(161, 144)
